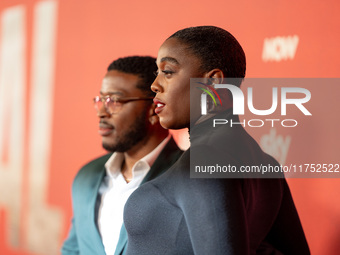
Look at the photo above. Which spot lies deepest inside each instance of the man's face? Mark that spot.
(122, 130)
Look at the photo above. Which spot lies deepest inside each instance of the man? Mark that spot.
(140, 150)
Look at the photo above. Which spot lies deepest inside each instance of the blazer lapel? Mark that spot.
(94, 207)
(122, 241)
(164, 161)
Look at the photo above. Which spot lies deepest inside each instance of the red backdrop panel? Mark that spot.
(79, 39)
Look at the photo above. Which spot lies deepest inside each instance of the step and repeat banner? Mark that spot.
(54, 54)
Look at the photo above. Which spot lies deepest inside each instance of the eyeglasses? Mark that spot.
(114, 104)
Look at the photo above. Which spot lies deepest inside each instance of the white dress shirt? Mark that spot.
(115, 191)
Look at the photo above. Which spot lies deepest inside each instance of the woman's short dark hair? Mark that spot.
(216, 48)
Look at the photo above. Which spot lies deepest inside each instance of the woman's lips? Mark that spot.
(105, 129)
(159, 106)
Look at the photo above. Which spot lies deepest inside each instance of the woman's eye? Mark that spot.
(167, 72)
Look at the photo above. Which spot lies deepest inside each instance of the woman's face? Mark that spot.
(176, 65)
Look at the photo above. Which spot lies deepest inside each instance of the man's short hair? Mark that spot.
(216, 48)
(142, 66)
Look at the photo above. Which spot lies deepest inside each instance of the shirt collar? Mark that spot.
(114, 164)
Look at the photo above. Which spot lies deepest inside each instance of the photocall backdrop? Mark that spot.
(54, 54)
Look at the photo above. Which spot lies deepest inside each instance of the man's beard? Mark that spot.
(130, 137)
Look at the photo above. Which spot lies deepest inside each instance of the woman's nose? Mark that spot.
(155, 86)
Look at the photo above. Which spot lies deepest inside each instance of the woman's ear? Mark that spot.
(214, 76)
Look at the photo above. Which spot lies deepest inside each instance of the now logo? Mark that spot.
(279, 48)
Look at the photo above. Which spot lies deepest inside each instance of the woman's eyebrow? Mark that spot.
(170, 59)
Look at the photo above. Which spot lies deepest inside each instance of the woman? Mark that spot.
(176, 214)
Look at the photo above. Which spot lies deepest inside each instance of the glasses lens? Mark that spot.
(112, 105)
(98, 104)
(109, 103)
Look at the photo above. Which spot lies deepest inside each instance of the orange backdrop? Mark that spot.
(53, 55)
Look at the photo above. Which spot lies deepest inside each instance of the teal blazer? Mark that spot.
(84, 237)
